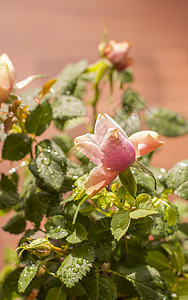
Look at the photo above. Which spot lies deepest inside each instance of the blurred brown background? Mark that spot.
(41, 36)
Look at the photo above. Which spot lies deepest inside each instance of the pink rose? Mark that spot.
(117, 53)
(7, 77)
(112, 151)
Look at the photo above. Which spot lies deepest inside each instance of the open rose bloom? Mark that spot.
(112, 151)
(117, 54)
(7, 77)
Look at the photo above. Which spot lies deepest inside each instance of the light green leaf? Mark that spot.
(39, 119)
(56, 227)
(141, 213)
(126, 76)
(100, 288)
(144, 207)
(67, 107)
(16, 146)
(56, 293)
(129, 122)
(76, 265)
(120, 224)
(171, 215)
(166, 122)
(79, 234)
(132, 101)
(177, 179)
(26, 277)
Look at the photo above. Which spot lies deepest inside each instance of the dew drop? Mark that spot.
(58, 229)
(39, 170)
(75, 270)
(80, 261)
(46, 161)
(56, 153)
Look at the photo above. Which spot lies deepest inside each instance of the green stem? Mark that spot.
(77, 210)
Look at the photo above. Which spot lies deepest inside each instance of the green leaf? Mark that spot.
(171, 215)
(8, 199)
(128, 181)
(158, 260)
(56, 227)
(64, 141)
(126, 76)
(26, 277)
(79, 234)
(16, 146)
(76, 265)
(10, 284)
(132, 101)
(39, 119)
(120, 223)
(129, 122)
(147, 282)
(100, 287)
(56, 293)
(16, 224)
(166, 122)
(176, 179)
(67, 107)
(28, 98)
(68, 79)
(9, 183)
(49, 165)
(144, 207)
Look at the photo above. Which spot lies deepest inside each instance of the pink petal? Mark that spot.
(145, 142)
(86, 144)
(103, 124)
(117, 152)
(98, 178)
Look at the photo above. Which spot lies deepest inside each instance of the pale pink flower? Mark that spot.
(112, 151)
(7, 77)
(117, 53)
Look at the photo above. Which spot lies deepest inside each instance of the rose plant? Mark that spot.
(95, 217)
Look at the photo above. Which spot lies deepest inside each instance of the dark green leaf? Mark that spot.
(56, 293)
(76, 290)
(128, 181)
(9, 183)
(100, 288)
(132, 101)
(16, 224)
(140, 227)
(64, 141)
(16, 146)
(166, 122)
(129, 122)
(158, 260)
(26, 277)
(120, 223)
(76, 265)
(10, 284)
(67, 107)
(56, 227)
(39, 119)
(35, 208)
(49, 165)
(147, 282)
(176, 179)
(79, 234)
(8, 199)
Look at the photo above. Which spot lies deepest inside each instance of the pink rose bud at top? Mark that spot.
(7, 77)
(145, 142)
(117, 53)
(112, 151)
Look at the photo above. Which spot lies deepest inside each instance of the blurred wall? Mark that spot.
(42, 36)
